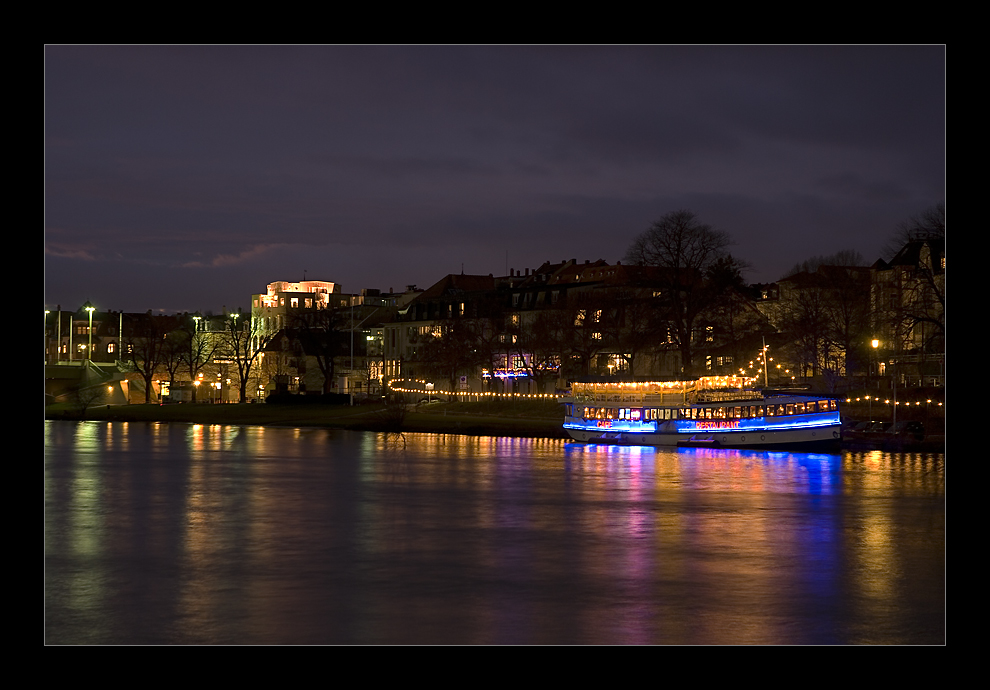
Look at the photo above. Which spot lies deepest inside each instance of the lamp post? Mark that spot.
(90, 308)
(875, 344)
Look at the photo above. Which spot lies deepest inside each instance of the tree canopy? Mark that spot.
(695, 268)
(681, 242)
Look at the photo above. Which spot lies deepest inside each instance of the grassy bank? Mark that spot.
(509, 418)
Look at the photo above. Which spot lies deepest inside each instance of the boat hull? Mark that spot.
(817, 437)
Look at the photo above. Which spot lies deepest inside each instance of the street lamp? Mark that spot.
(90, 308)
(875, 344)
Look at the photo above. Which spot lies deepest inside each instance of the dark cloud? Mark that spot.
(196, 175)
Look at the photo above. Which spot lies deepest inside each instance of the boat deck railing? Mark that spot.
(637, 399)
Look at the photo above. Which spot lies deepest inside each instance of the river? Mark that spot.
(193, 534)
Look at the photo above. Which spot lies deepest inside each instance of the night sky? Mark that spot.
(188, 178)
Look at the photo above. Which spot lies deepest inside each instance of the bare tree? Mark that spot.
(173, 349)
(685, 250)
(539, 345)
(845, 257)
(243, 342)
(926, 224)
(146, 349)
(806, 319)
(916, 303)
(323, 335)
(451, 348)
(199, 349)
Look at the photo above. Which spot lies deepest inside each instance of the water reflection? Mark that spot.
(208, 534)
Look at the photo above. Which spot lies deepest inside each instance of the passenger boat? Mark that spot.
(721, 411)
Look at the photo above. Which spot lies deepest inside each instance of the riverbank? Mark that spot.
(522, 418)
(537, 419)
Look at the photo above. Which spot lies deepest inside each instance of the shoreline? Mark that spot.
(469, 419)
(520, 423)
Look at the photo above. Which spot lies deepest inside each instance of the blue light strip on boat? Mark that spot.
(693, 426)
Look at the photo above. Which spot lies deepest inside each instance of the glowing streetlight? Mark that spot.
(875, 344)
(90, 308)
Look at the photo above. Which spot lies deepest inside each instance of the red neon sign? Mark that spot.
(717, 425)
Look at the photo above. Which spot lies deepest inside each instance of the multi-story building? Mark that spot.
(313, 338)
(270, 311)
(82, 335)
(529, 330)
(908, 311)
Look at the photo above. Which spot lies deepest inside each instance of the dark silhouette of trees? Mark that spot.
(451, 348)
(910, 299)
(147, 347)
(539, 340)
(926, 224)
(323, 334)
(198, 349)
(846, 257)
(688, 253)
(244, 340)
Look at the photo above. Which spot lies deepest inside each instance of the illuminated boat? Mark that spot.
(720, 411)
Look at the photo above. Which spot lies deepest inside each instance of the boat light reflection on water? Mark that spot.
(314, 536)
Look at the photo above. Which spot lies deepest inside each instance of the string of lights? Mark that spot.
(899, 403)
(393, 385)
